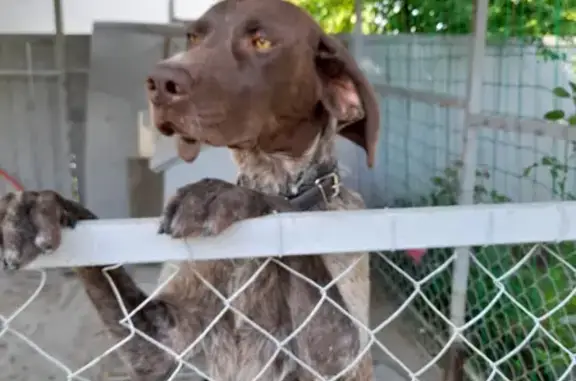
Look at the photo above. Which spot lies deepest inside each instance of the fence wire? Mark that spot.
(526, 302)
(519, 326)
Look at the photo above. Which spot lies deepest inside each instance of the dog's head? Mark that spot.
(261, 73)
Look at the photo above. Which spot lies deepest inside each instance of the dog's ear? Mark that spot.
(347, 95)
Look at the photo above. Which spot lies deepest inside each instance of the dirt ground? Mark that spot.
(61, 321)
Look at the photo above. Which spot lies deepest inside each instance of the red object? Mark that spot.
(416, 254)
(11, 180)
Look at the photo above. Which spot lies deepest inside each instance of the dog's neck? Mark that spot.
(282, 174)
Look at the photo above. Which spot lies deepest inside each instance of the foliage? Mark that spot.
(518, 18)
(559, 174)
(558, 170)
(539, 285)
(447, 188)
(558, 115)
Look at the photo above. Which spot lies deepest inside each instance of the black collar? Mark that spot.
(323, 190)
(319, 192)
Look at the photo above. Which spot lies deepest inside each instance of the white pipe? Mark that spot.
(136, 240)
(461, 269)
(63, 178)
(358, 40)
(16, 73)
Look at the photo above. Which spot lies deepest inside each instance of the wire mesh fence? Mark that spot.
(528, 77)
(520, 320)
(519, 313)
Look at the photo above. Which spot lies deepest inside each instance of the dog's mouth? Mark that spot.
(188, 148)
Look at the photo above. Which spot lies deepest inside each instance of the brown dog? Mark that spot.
(261, 78)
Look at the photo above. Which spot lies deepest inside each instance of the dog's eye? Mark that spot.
(261, 43)
(194, 39)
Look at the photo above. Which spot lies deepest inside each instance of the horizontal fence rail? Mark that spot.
(136, 240)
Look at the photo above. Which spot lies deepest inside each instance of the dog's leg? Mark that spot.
(330, 341)
(155, 319)
(30, 225)
(353, 274)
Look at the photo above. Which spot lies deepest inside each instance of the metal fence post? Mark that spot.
(357, 51)
(62, 165)
(455, 370)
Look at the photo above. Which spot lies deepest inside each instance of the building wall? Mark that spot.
(30, 146)
(36, 16)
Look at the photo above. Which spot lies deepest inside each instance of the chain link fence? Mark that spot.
(520, 298)
(519, 322)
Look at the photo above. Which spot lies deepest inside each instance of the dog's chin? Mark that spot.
(188, 149)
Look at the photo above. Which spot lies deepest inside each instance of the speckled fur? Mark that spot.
(317, 344)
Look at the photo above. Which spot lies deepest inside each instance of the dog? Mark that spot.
(261, 78)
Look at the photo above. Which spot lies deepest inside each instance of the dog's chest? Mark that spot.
(256, 291)
(257, 320)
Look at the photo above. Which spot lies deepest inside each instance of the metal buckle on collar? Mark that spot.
(335, 186)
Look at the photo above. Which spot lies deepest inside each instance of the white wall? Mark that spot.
(36, 16)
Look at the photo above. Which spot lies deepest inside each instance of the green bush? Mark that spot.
(535, 288)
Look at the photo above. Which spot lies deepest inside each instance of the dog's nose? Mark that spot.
(167, 83)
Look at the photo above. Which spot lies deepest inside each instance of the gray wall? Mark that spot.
(30, 148)
(121, 57)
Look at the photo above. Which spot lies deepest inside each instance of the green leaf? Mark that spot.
(547, 160)
(438, 181)
(572, 120)
(554, 115)
(573, 86)
(480, 189)
(561, 92)
(528, 170)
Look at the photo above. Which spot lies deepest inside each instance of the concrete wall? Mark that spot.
(119, 62)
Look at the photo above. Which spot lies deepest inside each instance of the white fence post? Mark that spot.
(357, 52)
(455, 370)
(64, 176)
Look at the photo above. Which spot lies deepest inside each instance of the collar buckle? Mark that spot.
(334, 179)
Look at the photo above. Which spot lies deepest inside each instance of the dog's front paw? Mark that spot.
(30, 225)
(210, 206)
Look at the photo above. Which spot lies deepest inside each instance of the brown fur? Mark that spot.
(279, 111)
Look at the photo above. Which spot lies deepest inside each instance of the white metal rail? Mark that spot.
(136, 241)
